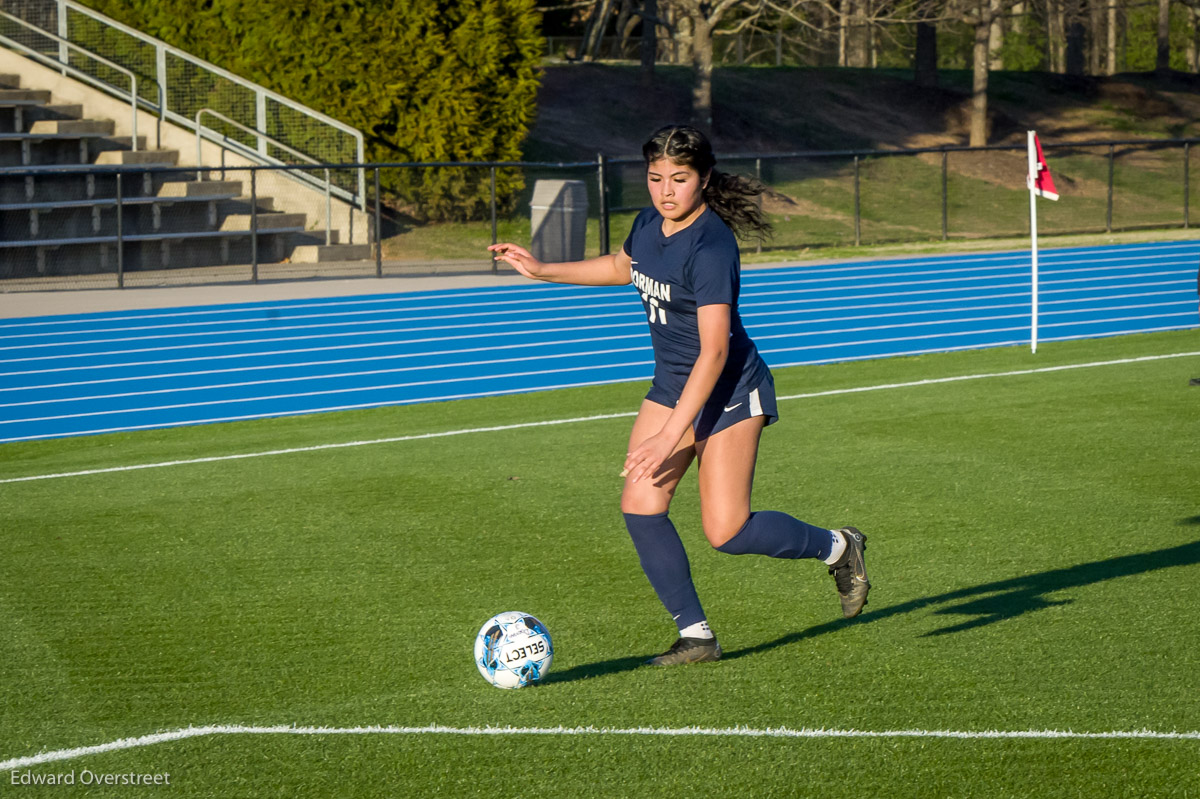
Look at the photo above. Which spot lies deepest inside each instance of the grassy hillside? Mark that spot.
(587, 109)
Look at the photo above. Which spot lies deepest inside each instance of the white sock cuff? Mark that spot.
(838, 549)
(698, 630)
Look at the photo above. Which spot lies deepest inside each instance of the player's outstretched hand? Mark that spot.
(518, 258)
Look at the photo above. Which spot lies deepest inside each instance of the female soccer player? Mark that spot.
(711, 395)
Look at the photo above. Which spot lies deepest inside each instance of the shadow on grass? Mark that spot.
(982, 604)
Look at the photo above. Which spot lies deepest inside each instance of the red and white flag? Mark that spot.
(1040, 181)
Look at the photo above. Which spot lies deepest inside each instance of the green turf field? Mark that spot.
(1034, 551)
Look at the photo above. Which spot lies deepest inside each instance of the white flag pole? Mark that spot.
(1033, 167)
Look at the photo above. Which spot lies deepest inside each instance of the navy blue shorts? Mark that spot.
(728, 407)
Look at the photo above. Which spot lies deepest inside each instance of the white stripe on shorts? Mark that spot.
(755, 405)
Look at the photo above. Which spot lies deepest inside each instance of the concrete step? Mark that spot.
(171, 251)
(266, 222)
(25, 96)
(140, 157)
(264, 204)
(65, 127)
(117, 143)
(18, 118)
(65, 186)
(200, 188)
(322, 253)
(75, 222)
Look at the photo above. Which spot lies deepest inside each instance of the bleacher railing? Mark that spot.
(83, 75)
(177, 85)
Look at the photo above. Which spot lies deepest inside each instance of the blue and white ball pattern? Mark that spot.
(513, 649)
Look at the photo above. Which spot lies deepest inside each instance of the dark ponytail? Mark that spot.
(731, 197)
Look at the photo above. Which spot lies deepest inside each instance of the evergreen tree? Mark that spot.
(425, 80)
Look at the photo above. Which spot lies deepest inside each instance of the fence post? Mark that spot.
(1186, 183)
(1108, 217)
(857, 214)
(779, 47)
(495, 264)
(120, 236)
(945, 211)
(378, 228)
(253, 225)
(758, 177)
(602, 176)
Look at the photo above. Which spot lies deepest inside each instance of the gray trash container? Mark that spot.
(559, 216)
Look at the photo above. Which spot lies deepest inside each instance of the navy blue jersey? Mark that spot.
(677, 274)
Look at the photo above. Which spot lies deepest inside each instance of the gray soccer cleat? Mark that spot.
(688, 650)
(850, 573)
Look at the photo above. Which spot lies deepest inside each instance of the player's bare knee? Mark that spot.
(719, 533)
(644, 504)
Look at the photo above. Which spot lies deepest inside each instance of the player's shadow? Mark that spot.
(981, 605)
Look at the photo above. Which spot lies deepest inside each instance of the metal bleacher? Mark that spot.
(68, 199)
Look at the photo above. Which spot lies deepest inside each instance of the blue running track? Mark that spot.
(133, 370)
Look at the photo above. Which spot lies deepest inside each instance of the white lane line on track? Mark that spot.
(750, 315)
(579, 419)
(328, 376)
(477, 334)
(334, 391)
(377, 358)
(138, 742)
(1065, 256)
(626, 312)
(343, 317)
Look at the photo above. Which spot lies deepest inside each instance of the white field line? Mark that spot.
(598, 417)
(671, 732)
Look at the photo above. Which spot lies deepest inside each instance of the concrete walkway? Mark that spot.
(25, 303)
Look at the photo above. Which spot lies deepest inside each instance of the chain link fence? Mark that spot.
(88, 226)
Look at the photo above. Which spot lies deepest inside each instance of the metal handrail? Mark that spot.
(261, 93)
(57, 64)
(237, 145)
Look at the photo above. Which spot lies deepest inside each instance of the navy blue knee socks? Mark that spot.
(778, 535)
(665, 562)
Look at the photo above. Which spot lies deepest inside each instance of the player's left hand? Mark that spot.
(647, 458)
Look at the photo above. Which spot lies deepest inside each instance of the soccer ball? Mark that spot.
(513, 649)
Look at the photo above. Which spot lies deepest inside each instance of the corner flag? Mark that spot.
(1040, 181)
(1040, 185)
